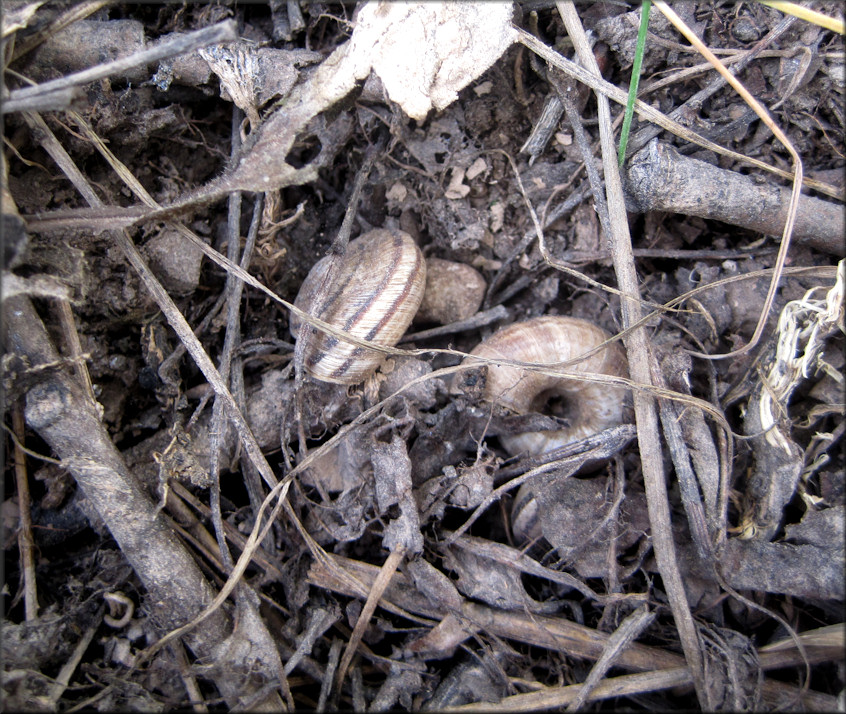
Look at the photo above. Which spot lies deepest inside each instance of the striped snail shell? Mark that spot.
(590, 406)
(374, 295)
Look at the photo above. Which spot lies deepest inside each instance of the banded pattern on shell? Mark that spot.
(378, 287)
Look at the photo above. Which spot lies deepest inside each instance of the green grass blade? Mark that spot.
(635, 81)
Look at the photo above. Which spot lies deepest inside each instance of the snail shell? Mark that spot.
(590, 406)
(377, 291)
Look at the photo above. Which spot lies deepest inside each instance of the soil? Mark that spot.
(492, 593)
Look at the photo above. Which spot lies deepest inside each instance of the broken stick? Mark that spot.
(661, 179)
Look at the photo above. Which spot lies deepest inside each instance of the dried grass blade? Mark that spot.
(805, 13)
(386, 572)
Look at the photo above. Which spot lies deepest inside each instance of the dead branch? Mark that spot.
(661, 179)
(57, 408)
(222, 32)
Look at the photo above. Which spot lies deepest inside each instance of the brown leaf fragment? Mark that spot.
(250, 76)
(436, 586)
(803, 327)
(474, 484)
(17, 17)
(804, 571)
(476, 680)
(403, 680)
(824, 529)
(575, 517)
(345, 521)
(392, 475)
(442, 640)
(493, 583)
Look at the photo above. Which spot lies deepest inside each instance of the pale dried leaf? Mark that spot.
(425, 53)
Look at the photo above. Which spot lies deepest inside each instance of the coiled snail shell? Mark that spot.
(590, 406)
(377, 291)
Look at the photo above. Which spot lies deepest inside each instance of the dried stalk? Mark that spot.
(640, 361)
(225, 31)
(26, 545)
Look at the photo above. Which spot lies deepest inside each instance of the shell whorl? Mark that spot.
(374, 295)
(549, 340)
